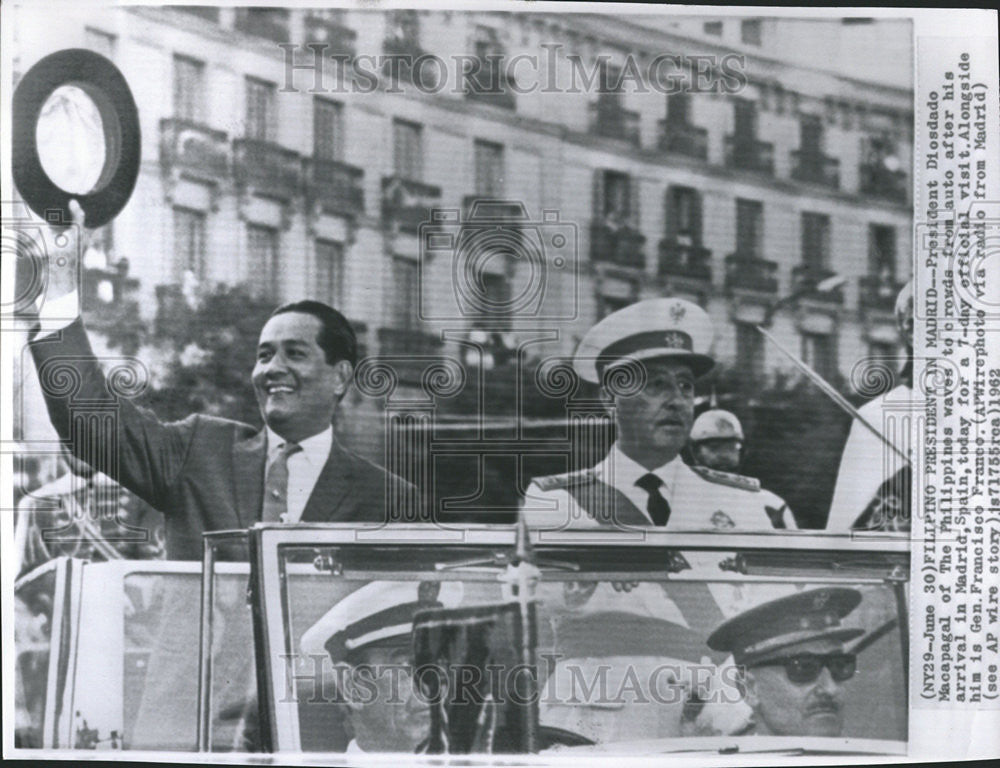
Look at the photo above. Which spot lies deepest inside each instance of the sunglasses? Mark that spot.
(806, 667)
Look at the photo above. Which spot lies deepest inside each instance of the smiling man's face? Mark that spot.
(654, 425)
(296, 388)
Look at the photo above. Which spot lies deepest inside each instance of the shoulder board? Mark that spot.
(728, 478)
(565, 480)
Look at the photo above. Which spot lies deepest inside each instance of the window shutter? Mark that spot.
(696, 217)
(598, 191)
(634, 196)
(670, 213)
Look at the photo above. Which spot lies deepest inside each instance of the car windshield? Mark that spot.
(160, 676)
(620, 642)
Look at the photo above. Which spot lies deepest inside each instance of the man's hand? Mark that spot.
(65, 246)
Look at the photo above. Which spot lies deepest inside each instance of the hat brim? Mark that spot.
(769, 650)
(594, 370)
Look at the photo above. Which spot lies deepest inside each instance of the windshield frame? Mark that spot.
(879, 559)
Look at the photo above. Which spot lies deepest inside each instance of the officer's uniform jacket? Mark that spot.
(606, 495)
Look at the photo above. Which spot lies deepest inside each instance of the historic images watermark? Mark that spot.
(554, 70)
(554, 681)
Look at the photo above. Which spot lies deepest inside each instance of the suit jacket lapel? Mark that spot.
(331, 487)
(249, 459)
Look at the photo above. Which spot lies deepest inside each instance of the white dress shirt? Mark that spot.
(620, 471)
(304, 468)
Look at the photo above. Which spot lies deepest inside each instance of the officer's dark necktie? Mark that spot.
(276, 484)
(656, 506)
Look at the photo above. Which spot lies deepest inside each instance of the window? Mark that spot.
(750, 31)
(713, 28)
(262, 247)
(679, 108)
(489, 169)
(188, 80)
(815, 240)
(189, 242)
(749, 228)
(881, 350)
(330, 272)
(404, 25)
(103, 43)
(745, 121)
(617, 202)
(406, 301)
(810, 135)
(882, 251)
(260, 109)
(749, 353)
(684, 216)
(407, 154)
(327, 130)
(819, 351)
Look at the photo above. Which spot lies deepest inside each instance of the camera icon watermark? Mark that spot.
(27, 243)
(496, 264)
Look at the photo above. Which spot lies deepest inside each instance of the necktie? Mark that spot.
(276, 484)
(657, 506)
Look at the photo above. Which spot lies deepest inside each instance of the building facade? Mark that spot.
(754, 180)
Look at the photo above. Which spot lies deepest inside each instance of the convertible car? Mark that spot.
(519, 643)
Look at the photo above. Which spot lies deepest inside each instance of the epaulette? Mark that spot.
(565, 480)
(728, 478)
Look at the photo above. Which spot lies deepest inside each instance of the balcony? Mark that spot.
(408, 341)
(805, 277)
(193, 149)
(609, 119)
(750, 273)
(748, 154)
(340, 39)
(270, 23)
(684, 139)
(270, 169)
(205, 11)
(815, 168)
(406, 203)
(680, 260)
(878, 181)
(335, 186)
(489, 85)
(401, 55)
(878, 293)
(622, 246)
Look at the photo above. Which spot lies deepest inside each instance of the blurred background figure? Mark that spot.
(873, 484)
(85, 514)
(717, 441)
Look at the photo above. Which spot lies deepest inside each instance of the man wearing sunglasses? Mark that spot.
(793, 661)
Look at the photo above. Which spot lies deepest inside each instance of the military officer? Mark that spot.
(793, 660)
(717, 443)
(368, 637)
(648, 357)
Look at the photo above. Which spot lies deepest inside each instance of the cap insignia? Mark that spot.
(675, 339)
(677, 311)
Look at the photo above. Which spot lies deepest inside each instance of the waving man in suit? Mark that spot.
(207, 473)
